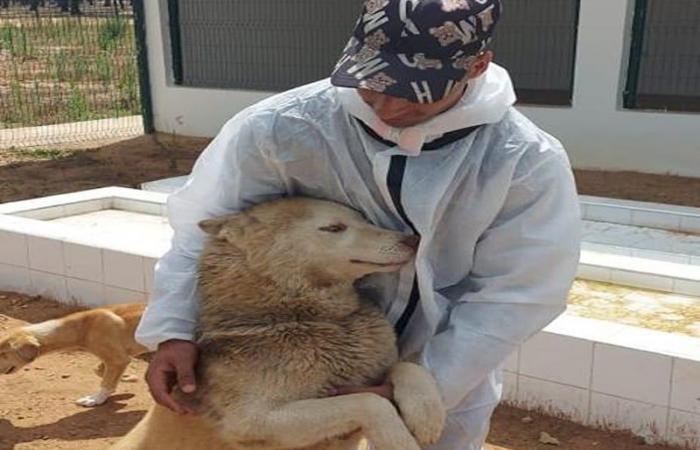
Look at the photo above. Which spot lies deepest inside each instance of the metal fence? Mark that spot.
(68, 71)
(536, 41)
(274, 45)
(664, 70)
(267, 45)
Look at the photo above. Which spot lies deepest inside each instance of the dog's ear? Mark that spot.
(213, 226)
(27, 348)
(232, 226)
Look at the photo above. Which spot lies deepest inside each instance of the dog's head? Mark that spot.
(307, 237)
(17, 349)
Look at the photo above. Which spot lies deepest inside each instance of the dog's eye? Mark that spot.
(336, 228)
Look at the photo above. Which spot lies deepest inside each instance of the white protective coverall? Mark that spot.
(496, 210)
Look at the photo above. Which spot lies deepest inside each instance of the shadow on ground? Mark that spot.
(89, 424)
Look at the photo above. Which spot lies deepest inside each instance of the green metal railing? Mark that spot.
(71, 62)
(664, 63)
(638, 30)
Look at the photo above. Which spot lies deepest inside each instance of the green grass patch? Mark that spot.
(41, 154)
(65, 69)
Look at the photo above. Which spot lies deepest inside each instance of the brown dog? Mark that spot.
(280, 324)
(107, 333)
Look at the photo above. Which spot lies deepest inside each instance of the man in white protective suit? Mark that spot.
(416, 129)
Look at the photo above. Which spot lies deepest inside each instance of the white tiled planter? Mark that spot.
(611, 376)
(631, 374)
(652, 215)
(552, 398)
(540, 358)
(593, 372)
(15, 278)
(685, 386)
(643, 419)
(658, 274)
(683, 429)
(15, 250)
(44, 257)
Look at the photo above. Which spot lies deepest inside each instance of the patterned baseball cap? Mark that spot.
(415, 49)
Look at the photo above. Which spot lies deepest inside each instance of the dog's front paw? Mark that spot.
(424, 418)
(426, 429)
(97, 399)
(419, 401)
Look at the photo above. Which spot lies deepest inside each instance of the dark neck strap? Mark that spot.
(444, 140)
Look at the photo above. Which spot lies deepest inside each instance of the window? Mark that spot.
(536, 42)
(664, 65)
(275, 45)
(267, 45)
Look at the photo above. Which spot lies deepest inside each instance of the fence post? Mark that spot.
(175, 43)
(637, 47)
(144, 73)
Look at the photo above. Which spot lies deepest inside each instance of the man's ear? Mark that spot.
(27, 349)
(480, 65)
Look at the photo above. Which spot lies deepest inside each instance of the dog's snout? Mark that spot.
(411, 241)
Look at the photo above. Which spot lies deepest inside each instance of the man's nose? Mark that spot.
(385, 106)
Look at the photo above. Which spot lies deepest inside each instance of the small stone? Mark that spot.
(648, 440)
(527, 419)
(546, 438)
(20, 417)
(64, 376)
(128, 378)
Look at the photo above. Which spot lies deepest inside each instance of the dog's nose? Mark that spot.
(411, 241)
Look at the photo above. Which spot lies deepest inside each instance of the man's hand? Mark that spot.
(384, 390)
(173, 363)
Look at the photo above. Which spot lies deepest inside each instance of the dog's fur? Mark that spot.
(280, 324)
(107, 333)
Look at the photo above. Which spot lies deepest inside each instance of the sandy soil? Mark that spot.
(37, 410)
(661, 311)
(36, 404)
(27, 174)
(640, 187)
(35, 173)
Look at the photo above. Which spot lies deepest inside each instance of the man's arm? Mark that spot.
(232, 174)
(523, 268)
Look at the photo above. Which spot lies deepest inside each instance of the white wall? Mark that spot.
(183, 110)
(597, 131)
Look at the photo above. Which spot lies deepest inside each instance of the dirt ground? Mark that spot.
(33, 173)
(37, 410)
